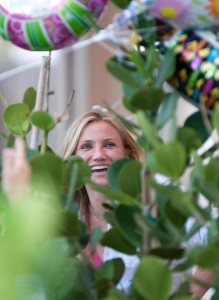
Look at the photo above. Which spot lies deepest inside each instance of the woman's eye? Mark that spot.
(109, 145)
(86, 147)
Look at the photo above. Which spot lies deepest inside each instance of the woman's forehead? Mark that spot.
(100, 128)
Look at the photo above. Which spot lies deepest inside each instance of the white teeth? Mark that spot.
(94, 168)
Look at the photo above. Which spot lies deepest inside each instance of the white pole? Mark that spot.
(39, 98)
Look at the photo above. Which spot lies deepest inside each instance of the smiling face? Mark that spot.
(100, 145)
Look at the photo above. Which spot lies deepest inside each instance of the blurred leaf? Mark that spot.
(167, 67)
(153, 59)
(167, 252)
(16, 118)
(208, 184)
(147, 98)
(116, 295)
(47, 174)
(130, 185)
(169, 159)
(152, 278)
(167, 109)
(140, 63)
(42, 120)
(70, 225)
(113, 172)
(118, 71)
(121, 3)
(114, 195)
(189, 138)
(30, 98)
(148, 130)
(114, 239)
(84, 171)
(195, 121)
(215, 117)
(184, 298)
(184, 198)
(95, 237)
(112, 270)
(126, 220)
(208, 257)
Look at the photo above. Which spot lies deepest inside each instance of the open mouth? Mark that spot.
(99, 169)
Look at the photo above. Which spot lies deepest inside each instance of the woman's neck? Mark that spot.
(96, 209)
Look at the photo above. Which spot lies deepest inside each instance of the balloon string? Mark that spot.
(111, 34)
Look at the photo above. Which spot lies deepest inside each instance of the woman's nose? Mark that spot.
(99, 153)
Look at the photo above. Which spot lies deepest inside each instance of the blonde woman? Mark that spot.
(100, 140)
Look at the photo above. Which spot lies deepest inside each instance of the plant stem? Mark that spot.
(48, 92)
(73, 177)
(145, 201)
(44, 143)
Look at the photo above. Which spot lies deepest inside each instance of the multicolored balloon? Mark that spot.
(62, 27)
(197, 72)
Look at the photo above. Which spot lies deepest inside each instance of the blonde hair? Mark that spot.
(73, 135)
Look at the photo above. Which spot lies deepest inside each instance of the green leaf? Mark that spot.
(126, 220)
(118, 71)
(208, 257)
(95, 237)
(47, 174)
(167, 252)
(113, 172)
(189, 138)
(42, 120)
(148, 129)
(167, 67)
(115, 294)
(70, 226)
(84, 171)
(153, 279)
(114, 195)
(184, 298)
(114, 239)
(30, 98)
(140, 63)
(112, 269)
(148, 98)
(16, 118)
(121, 3)
(167, 109)
(126, 100)
(208, 183)
(130, 178)
(170, 159)
(195, 121)
(215, 117)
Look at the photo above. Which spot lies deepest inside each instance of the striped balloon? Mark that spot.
(62, 28)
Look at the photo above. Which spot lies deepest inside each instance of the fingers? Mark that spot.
(15, 170)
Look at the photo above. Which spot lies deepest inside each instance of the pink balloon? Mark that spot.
(63, 27)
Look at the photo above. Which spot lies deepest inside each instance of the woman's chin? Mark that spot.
(100, 180)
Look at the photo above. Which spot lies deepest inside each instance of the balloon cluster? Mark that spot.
(197, 60)
(197, 72)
